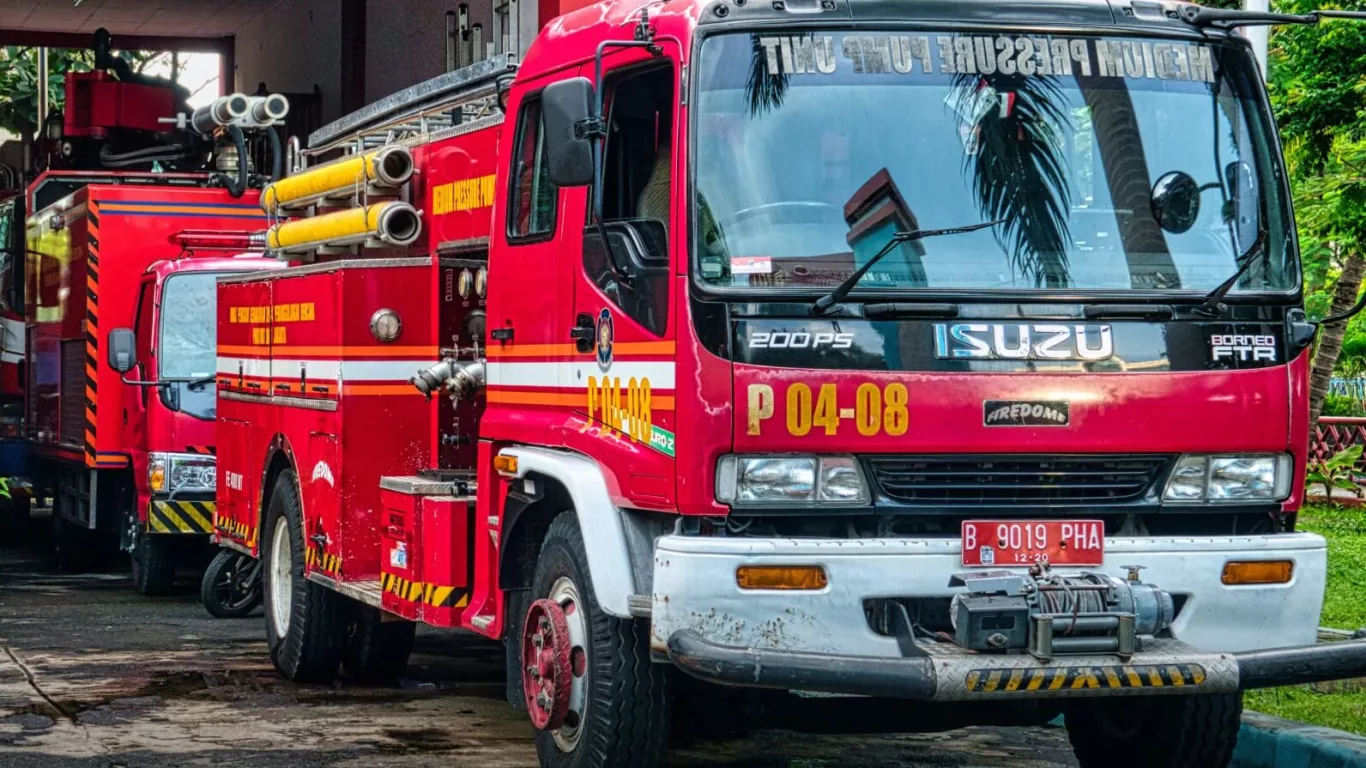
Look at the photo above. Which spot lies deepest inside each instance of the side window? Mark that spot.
(531, 199)
(636, 195)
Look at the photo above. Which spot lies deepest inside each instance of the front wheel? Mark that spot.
(590, 687)
(153, 559)
(1196, 731)
(231, 588)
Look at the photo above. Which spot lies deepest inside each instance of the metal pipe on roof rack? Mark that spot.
(222, 111)
(269, 109)
(390, 167)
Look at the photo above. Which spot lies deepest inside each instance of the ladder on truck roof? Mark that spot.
(445, 102)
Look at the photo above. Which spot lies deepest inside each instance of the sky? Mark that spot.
(199, 73)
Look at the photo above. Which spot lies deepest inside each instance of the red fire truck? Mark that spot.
(936, 362)
(118, 296)
(13, 450)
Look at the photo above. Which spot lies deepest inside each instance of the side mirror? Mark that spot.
(123, 348)
(1176, 202)
(569, 151)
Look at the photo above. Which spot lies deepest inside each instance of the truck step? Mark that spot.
(367, 592)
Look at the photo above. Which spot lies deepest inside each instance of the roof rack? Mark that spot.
(444, 102)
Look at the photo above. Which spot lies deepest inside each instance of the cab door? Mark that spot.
(624, 293)
(528, 339)
(134, 421)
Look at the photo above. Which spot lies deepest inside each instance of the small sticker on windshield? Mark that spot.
(751, 265)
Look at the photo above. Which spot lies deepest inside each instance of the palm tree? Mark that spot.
(765, 90)
(1018, 174)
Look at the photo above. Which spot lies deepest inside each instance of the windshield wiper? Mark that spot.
(1229, 18)
(824, 303)
(1214, 302)
(200, 383)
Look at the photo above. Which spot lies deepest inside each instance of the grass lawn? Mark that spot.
(1334, 705)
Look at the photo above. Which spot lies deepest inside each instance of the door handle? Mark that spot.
(583, 333)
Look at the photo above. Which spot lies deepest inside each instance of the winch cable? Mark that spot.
(1058, 596)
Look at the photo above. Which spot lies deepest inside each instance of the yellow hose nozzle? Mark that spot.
(389, 166)
(392, 223)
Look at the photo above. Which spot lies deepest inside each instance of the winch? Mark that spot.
(1048, 614)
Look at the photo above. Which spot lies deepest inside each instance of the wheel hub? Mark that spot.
(547, 667)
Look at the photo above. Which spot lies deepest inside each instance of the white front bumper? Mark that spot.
(694, 588)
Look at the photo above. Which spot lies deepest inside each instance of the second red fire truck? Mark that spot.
(946, 361)
(117, 295)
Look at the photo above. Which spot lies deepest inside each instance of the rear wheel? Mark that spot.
(592, 692)
(1177, 731)
(304, 627)
(153, 559)
(377, 650)
(231, 588)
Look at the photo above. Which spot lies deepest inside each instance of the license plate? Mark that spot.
(1025, 542)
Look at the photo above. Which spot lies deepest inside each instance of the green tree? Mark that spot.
(1318, 85)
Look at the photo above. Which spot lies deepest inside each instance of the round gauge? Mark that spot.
(481, 282)
(464, 283)
(385, 325)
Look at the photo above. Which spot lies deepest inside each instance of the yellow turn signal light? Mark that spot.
(1258, 572)
(806, 577)
(506, 465)
(156, 478)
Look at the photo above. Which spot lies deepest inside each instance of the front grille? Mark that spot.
(993, 480)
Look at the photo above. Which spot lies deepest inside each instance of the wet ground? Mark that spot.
(92, 675)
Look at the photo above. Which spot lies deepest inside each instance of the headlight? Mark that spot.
(778, 480)
(182, 472)
(1230, 478)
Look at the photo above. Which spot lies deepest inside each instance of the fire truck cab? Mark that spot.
(136, 204)
(120, 326)
(933, 361)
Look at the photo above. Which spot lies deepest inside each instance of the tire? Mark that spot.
(14, 521)
(70, 545)
(377, 650)
(153, 559)
(230, 589)
(304, 624)
(627, 702)
(1198, 731)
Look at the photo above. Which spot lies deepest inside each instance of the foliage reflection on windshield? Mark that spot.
(813, 149)
(188, 344)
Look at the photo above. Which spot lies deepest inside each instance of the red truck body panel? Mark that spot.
(84, 279)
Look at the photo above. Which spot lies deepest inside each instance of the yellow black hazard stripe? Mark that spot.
(319, 559)
(1110, 676)
(236, 530)
(180, 517)
(92, 324)
(428, 594)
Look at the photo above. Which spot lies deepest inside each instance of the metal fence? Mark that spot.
(1349, 387)
(1335, 434)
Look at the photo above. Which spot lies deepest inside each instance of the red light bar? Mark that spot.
(210, 239)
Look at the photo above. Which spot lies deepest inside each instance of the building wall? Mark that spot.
(298, 45)
(293, 48)
(406, 41)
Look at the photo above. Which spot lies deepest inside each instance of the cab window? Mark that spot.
(532, 197)
(636, 185)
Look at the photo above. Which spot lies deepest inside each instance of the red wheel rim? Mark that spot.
(547, 669)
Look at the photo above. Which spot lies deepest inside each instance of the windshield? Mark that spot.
(188, 343)
(813, 149)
